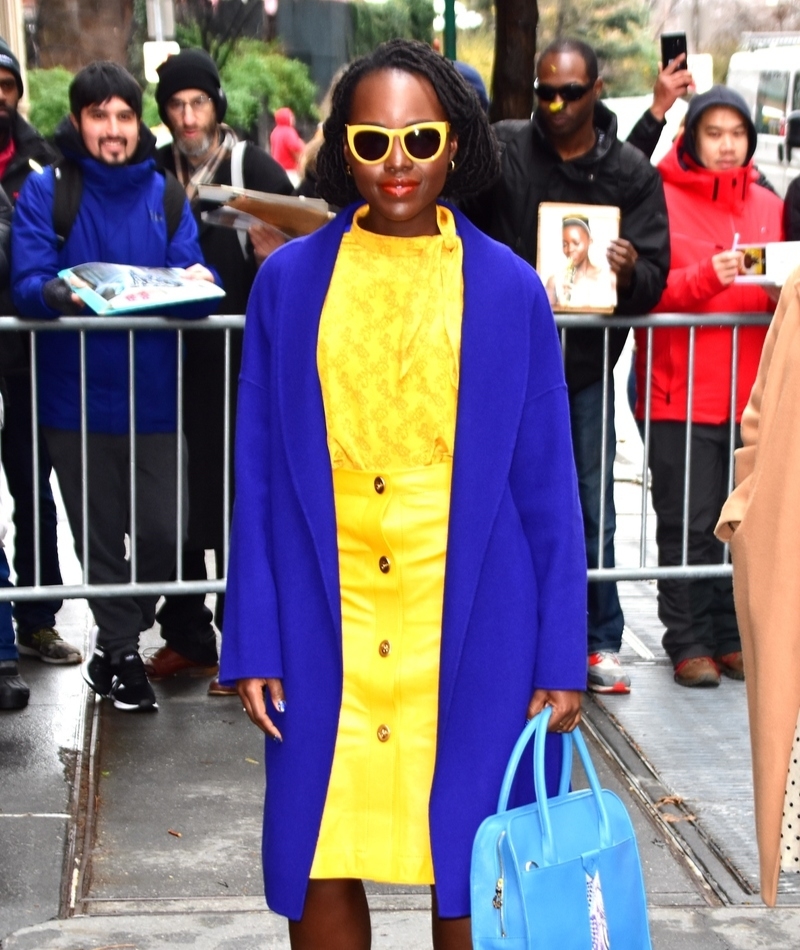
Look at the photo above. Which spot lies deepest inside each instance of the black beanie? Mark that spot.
(189, 69)
(717, 96)
(10, 62)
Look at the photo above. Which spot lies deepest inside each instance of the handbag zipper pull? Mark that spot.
(497, 903)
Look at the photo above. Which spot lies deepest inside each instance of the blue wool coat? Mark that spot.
(515, 585)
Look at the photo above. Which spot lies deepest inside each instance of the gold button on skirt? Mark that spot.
(392, 532)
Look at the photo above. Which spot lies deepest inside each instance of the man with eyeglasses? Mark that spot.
(204, 150)
(569, 152)
(22, 150)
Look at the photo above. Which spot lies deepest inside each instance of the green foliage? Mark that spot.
(257, 77)
(48, 90)
(191, 33)
(420, 18)
(618, 32)
(138, 36)
(374, 23)
(150, 114)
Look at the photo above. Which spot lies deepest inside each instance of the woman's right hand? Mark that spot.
(252, 693)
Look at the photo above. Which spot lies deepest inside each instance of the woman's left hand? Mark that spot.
(566, 706)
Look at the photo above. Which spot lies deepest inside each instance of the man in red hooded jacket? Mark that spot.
(715, 208)
(284, 140)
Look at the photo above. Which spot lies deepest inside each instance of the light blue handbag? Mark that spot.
(562, 873)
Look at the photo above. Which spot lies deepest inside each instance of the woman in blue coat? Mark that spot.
(407, 574)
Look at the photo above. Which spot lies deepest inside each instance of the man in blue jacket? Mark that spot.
(124, 217)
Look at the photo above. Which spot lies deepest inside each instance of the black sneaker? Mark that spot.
(132, 690)
(14, 692)
(98, 673)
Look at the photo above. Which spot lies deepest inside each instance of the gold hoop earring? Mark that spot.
(452, 165)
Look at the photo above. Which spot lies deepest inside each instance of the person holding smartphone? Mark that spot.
(673, 81)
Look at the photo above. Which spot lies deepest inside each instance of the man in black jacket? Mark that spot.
(204, 150)
(569, 152)
(23, 150)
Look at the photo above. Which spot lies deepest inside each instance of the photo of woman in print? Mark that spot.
(577, 282)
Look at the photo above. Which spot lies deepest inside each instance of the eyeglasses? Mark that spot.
(571, 92)
(179, 106)
(421, 142)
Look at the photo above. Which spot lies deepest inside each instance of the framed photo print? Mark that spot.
(571, 256)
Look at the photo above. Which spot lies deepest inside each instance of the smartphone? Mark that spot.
(672, 45)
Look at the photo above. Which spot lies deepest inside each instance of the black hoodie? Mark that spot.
(716, 97)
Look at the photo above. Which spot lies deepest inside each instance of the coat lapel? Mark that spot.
(494, 371)
(301, 408)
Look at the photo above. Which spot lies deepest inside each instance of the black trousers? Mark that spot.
(698, 615)
(185, 620)
(120, 620)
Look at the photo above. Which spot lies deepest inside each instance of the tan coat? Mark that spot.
(765, 548)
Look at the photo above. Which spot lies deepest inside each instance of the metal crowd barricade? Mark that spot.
(226, 325)
(131, 324)
(694, 323)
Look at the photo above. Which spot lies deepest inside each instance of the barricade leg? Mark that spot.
(17, 445)
(8, 650)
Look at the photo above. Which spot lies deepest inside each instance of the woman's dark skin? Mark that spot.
(336, 913)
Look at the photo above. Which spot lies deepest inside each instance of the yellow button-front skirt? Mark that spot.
(392, 531)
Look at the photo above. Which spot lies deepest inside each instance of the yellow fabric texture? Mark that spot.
(388, 349)
(388, 356)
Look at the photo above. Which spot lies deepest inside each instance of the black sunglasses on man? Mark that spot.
(571, 92)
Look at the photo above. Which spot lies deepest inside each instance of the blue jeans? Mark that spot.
(17, 444)
(605, 620)
(8, 649)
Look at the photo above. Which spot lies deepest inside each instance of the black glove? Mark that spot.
(57, 294)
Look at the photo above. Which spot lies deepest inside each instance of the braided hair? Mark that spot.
(476, 162)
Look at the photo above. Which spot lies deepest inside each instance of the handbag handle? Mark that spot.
(537, 728)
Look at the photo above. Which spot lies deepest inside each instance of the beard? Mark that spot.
(197, 147)
(121, 157)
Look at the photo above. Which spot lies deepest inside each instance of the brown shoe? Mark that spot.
(732, 665)
(167, 662)
(698, 671)
(215, 688)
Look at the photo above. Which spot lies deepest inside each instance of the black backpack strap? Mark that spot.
(174, 199)
(67, 192)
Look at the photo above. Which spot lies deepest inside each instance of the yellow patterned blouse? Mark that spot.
(388, 348)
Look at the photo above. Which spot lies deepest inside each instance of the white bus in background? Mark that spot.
(769, 80)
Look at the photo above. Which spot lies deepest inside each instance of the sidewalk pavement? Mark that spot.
(393, 928)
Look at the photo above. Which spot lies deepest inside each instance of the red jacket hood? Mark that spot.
(284, 116)
(727, 189)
